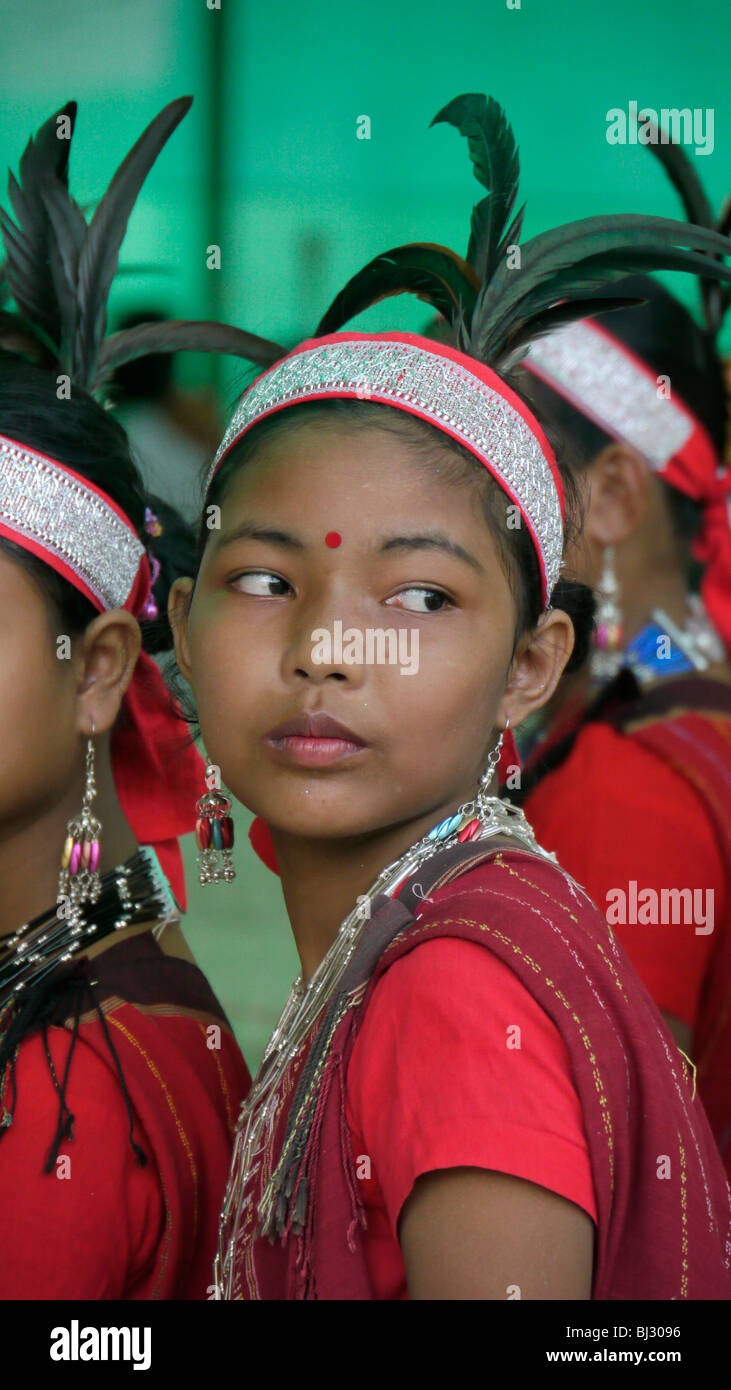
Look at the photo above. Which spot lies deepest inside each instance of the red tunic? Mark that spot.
(100, 1226)
(440, 1078)
(640, 800)
(657, 1191)
(614, 812)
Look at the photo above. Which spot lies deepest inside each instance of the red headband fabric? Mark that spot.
(158, 774)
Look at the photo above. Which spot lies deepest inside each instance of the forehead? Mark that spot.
(331, 471)
(24, 603)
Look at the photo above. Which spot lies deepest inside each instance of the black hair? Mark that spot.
(79, 432)
(665, 336)
(458, 466)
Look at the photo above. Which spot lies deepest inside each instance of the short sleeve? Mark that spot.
(90, 1228)
(615, 814)
(456, 1065)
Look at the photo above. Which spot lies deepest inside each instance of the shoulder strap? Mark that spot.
(451, 863)
(687, 694)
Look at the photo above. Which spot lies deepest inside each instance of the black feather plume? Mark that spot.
(100, 253)
(27, 268)
(185, 335)
(562, 264)
(59, 270)
(563, 274)
(679, 169)
(496, 165)
(432, 273)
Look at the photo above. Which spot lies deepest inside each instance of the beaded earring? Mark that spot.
(470, 819)
(79, 881)
(214, 832)
(608, 655)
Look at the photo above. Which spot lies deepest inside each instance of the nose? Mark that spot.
(329, 650)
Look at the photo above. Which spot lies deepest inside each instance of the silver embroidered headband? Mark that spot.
(594, 373)
(437, 388)
(41, 502)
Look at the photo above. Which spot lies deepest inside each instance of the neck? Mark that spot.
(30, 852)
(651, 569)
(643, 598)
(322, 879)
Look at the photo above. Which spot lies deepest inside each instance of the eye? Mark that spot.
(420, 599)
(261, 583)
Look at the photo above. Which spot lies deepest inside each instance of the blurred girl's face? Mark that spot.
(38, 703)
(403, 552)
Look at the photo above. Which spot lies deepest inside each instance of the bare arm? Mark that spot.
(467, 1233)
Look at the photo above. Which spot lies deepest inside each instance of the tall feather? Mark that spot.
(100, 254)
(563, 274)
(561, 264)
(185, 335)
(60, 271)
(67, 234)
(496, 165)
(679, 169)
(682, 175)
(27, 269)
(432, 273)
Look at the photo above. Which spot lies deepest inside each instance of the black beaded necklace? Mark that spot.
(38, 986)
(133, 892)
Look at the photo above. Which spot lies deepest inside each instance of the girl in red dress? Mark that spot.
(469, 1093)
(120, 1078)
(630, 778)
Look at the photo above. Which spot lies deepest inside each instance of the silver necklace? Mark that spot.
(257, 1119)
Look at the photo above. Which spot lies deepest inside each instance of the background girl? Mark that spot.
(119, 1077)
(641, 405)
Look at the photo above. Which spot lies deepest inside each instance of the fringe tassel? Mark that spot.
(65, 1124)
(139, 1151)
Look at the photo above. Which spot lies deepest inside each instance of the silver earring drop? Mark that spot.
(79, 881)
(608, 655)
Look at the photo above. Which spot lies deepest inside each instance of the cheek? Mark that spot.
(444, 715)
(229, 676)
(38, 717)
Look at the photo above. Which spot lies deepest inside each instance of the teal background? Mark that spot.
(268, 166)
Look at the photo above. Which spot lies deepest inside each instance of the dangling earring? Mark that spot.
(608, 655)
(493, 761)
(471, 818)
(214, 833)
(79, 881)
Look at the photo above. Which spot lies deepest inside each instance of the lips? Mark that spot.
(315, 726)
(313, 740)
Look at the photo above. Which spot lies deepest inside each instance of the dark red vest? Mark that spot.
(664, 1206)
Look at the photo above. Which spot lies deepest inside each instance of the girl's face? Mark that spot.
(415, 556)
(39, 749)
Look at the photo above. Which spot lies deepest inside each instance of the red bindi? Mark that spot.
(333, 539)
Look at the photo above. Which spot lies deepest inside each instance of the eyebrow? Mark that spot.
(433, 540)
(250, 530)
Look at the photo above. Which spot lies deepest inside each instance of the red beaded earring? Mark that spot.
(214, 832)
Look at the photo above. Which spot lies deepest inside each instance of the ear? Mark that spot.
(620, 482)
(107, 658)
(178, 610)
(537, 667)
